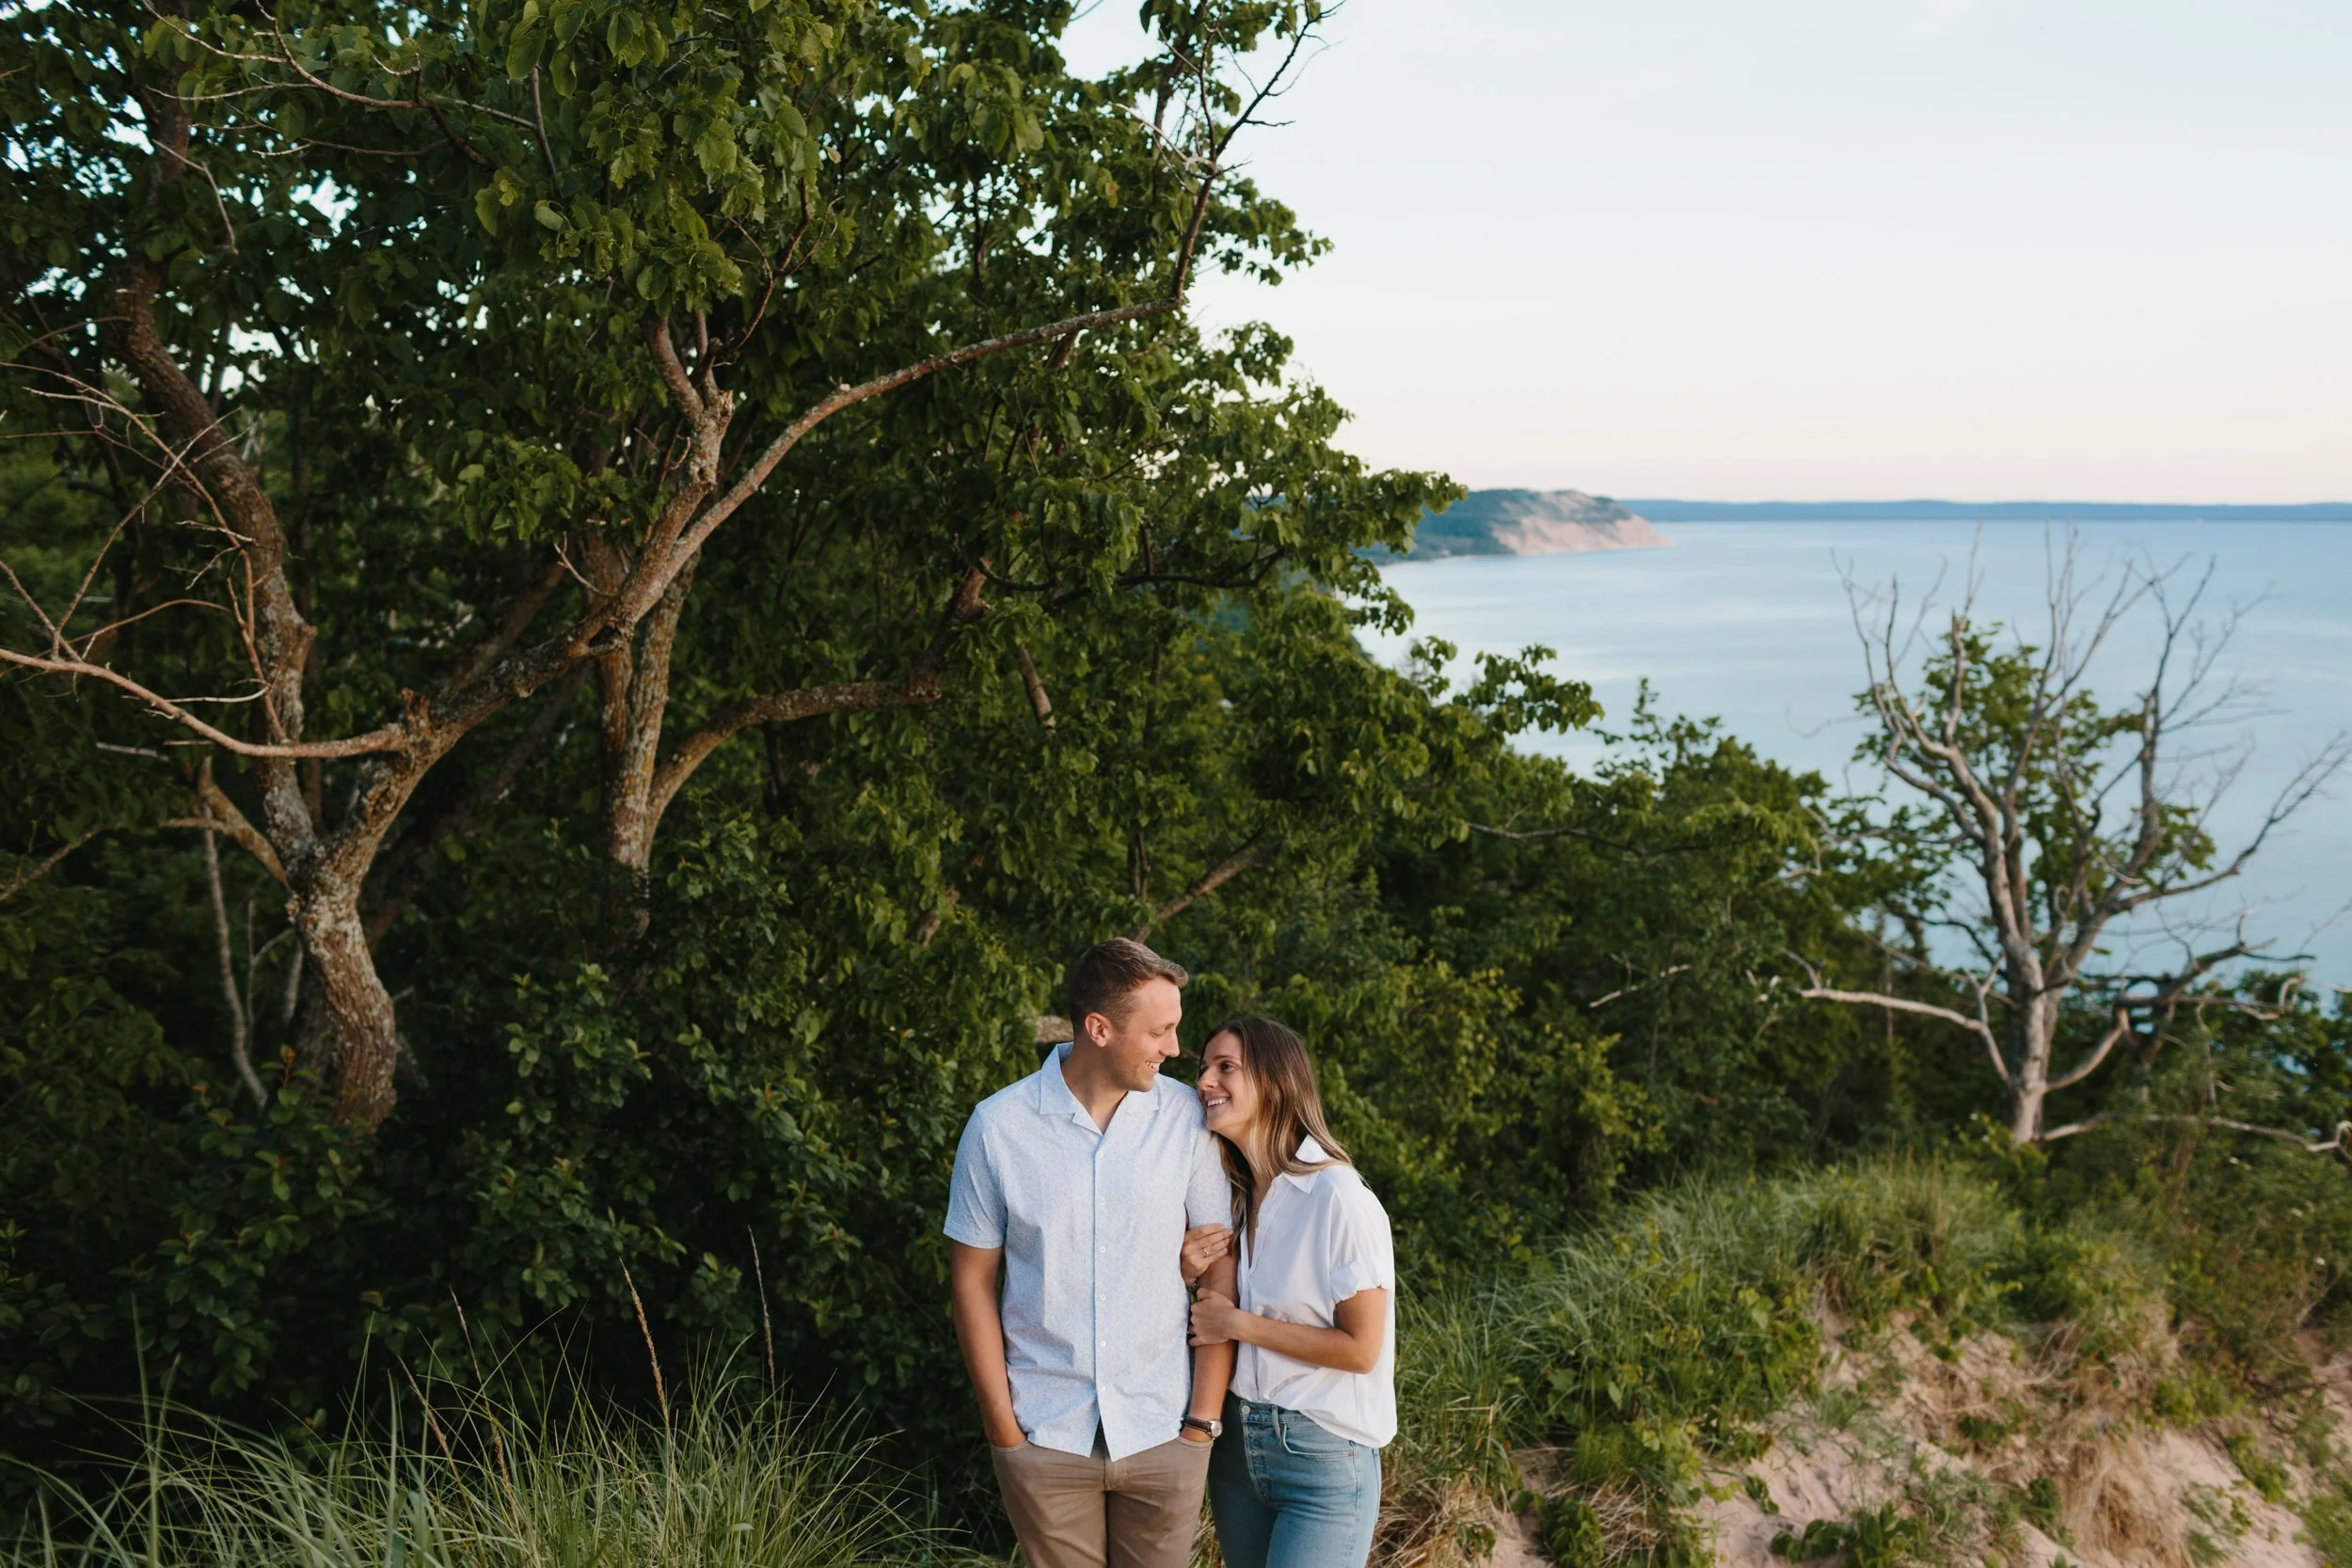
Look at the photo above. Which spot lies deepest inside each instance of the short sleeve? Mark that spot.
(1209, 1193)
(975, 1198)
(1362, 1257)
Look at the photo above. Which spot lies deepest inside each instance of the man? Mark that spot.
(1077, 1181)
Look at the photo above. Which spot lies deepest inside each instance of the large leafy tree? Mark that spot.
(428, 358)
(694, 549)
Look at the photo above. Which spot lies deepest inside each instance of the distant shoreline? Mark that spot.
(1665, 511)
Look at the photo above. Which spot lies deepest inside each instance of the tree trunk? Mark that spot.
(362, 1035)
(2033, 1032)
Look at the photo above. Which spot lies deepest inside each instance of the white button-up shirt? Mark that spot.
(1322, 1237)
(1091, 1220)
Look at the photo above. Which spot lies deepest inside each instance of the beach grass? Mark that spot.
(736, 1480)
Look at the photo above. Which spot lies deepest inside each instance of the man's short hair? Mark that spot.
(1106, 973)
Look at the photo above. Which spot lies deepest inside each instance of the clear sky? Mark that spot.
(1823, 250)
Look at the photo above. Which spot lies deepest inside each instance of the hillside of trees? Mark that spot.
(597, 597)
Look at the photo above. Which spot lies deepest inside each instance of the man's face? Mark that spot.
(1142, 1036)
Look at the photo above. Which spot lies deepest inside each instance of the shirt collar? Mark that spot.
(1055, 1096)
(1309, 1153)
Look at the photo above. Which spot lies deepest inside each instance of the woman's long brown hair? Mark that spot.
(1288, 1104)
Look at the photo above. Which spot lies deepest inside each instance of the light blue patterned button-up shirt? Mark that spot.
(1094, 1306)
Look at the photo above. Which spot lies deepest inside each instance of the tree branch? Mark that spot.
(920, 686)
(520, 611)
(1255, 852)
(221, 814)
(401, 874)
(2340, 1144)
(1976, 1026)
(390, 737)
(237, 1023)
(23, 879)
(656, 573)
(2118, 1027)
(1531, 835)
(2168, 991)
(1038, 702)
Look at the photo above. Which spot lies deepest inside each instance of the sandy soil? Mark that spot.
(1885, 1424)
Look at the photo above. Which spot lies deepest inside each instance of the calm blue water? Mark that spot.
(1750, 622)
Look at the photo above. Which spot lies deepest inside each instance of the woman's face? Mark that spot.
(1229, 1096)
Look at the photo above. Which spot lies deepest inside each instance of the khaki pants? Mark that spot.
(1074, 1511)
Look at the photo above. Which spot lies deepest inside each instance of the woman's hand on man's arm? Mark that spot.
(1203, 1245)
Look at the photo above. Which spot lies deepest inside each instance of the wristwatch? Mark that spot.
(1214, 1428)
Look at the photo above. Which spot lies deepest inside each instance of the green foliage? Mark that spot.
(744, 1117)
(2043, 1505)
(736, 1478)
(2327, 1519)
(2251, 1234)
(1872, 1538)
(1571, 1532)
(1883, 1537)
(1650, 1344)
(1639, 915)
(1647, 1350)
(2265, 1474)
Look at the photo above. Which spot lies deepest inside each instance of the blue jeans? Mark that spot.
(1289, 1494)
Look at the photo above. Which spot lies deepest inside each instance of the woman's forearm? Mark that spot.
(1335, 1348)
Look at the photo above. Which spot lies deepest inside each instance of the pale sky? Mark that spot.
(1826, 249)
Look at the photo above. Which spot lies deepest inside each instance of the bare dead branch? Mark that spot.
(1038, 702)
(26, 878)
(2169, 989)
(237, 1021)
(2339, 1144)
(390, 737)
(1977, 1026)
(1622, 992)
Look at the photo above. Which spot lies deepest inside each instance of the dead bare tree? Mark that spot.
(2067, 818)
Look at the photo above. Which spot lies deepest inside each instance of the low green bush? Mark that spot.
(1883, 1537)
(2328, 1520)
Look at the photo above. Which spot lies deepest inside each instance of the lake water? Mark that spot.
(1750, 622)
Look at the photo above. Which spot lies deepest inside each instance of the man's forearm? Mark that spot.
(1212, 1371)
(992, 1387)
(1212, 1365)
(980, 1334)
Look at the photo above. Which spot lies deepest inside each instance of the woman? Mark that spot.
(1294, 1478)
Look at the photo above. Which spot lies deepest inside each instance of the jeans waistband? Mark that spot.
(1245, 1409)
